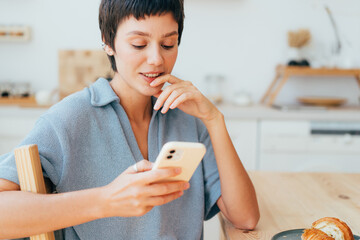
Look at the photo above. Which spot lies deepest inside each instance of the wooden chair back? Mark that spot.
(31, 177)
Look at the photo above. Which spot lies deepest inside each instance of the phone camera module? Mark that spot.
(172, 151)
(169, 157)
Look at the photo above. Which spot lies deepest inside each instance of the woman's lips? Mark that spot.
(150, 78)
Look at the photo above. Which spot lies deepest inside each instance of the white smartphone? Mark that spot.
(186, 155)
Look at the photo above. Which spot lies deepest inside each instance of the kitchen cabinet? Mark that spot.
(296, 141)
(305, 145)
(15, 124)
(243, 134)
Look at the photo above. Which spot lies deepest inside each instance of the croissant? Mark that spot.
(334, 228)
(315, 234)
(328, 228)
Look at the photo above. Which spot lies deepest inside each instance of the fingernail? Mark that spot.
(152, 83)
(172, 106)
(178, 170)
(186, 185)
(163, 111)
(156, 106)
(181, 193)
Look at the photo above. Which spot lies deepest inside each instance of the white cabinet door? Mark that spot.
(243, 134)
(293, 146)
(15, 124)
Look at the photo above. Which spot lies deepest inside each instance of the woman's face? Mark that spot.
(146, 49)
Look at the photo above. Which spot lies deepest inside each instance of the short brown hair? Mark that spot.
(113, 12)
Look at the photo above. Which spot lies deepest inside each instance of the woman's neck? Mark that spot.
(137, 106)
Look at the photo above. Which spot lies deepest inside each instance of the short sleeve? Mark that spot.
(211, 175)
(44, 135)
(8, 168)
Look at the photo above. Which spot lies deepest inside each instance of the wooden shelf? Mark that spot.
(21, 102)
(283, 73)
(308, 71)
(14, 33)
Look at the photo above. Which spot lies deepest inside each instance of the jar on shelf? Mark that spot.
(213, 88)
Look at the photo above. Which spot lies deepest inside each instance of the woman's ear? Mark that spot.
(108, 49)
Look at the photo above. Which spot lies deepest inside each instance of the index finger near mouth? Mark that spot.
(166, 78)
(160, 174)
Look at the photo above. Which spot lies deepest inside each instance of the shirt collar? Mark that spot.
(101, 93)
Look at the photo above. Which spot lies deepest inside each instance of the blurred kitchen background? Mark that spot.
(229, 50)
(240, 40)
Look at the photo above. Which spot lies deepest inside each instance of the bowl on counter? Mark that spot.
(322, 101)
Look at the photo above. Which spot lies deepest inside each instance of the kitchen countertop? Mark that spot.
(230, 111)
(258, 111)
(295, 200)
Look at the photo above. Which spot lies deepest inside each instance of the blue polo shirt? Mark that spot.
(86, 141)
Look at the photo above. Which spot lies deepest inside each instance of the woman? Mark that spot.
(91, 145)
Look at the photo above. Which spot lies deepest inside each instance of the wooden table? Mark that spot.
(295, 200)
(283, 73)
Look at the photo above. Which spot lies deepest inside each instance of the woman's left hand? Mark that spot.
(185, 96)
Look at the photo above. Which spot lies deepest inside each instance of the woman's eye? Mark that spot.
(139, 46)
(167, 47)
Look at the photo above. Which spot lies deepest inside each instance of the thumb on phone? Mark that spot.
(141, 166)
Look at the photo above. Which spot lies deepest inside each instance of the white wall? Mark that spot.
(240, 39)
(55, 25)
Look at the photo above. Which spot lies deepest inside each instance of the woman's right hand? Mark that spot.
(136, 193)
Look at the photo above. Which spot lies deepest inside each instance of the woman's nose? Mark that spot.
(155, 57)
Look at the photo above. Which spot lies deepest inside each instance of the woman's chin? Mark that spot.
(151, 92)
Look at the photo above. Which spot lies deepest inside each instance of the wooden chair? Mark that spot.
(31, 177)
